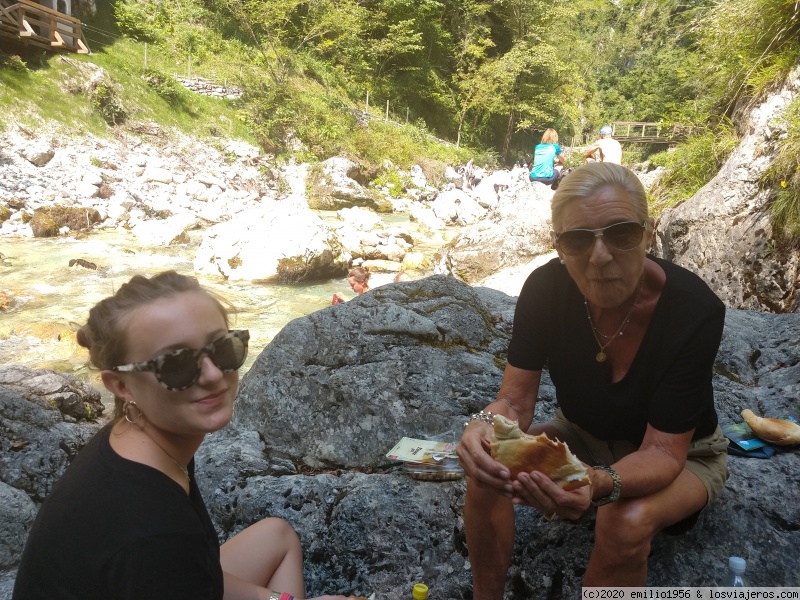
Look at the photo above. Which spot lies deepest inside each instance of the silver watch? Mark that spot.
(616, 490)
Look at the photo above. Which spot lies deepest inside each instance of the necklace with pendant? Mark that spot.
(601, 356)
(183, 469)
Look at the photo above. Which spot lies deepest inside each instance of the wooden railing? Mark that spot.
(648, 133)
(41, 26)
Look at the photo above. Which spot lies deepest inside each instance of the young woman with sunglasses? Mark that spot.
(629, 341)
(126, 521)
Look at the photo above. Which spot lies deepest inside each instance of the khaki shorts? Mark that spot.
(707, 458)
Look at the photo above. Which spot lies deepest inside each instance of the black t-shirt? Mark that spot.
(117, 529)
(668, 384)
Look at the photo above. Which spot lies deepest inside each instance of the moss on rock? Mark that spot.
(47, 222)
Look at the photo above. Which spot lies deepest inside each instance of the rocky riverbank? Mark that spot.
(335, 389)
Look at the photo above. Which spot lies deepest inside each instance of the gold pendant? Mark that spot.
(600, 357)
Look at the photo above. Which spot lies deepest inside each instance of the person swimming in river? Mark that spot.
(358, 278)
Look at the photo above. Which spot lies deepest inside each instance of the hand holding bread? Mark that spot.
(521, 452)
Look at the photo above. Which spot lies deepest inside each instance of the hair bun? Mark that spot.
(83, 339)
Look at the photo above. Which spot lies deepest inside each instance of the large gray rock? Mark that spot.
(335, 390)
(341, 184)
(277, 241)
(723, 233)
(401, 360)
(75, 399)
(514, 232)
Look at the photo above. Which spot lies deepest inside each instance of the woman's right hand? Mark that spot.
(477, 462)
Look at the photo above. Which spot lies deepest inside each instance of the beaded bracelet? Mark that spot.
(485, 417)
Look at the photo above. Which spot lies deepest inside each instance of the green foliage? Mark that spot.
(106, 100)
(635, 153)
(393, 181)
(783, 176)
(163, 85)
(691, 165)
(142, 21)
(637, 61)
(748, 47)
(326, 125)
(13, 63)
(488, 74)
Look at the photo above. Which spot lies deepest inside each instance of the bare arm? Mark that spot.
(654, 466)
(515, 400)
(657, 463)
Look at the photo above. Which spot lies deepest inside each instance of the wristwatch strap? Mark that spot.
(616, 490)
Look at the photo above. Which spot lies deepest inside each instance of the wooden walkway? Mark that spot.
(37, 25)
(648, 133)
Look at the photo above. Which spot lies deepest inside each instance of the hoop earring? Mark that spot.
(125, 408)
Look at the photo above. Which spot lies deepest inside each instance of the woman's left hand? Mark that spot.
(539, 491)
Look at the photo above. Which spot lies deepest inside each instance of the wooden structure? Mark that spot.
(645, 133)
(40, 26)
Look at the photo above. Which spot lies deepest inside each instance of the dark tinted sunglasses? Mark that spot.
(179, 370)
(619, 236)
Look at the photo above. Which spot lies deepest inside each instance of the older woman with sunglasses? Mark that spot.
(127, 520)
(629, 341)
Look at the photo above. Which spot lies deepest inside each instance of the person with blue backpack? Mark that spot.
(547, 159)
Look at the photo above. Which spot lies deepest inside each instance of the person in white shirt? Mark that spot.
(606, 149)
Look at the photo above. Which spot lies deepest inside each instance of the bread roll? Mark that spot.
(522, 452)
(773, 431)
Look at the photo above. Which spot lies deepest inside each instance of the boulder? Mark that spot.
(487, 192)
(336, 187)
(724, 234)
(274, 242)
(430, 337)
(75, 400)
(514, 232)
(427, 219)
(418, 179)
(164, 231)
(39, 154)
(335, 390)
(456, 207)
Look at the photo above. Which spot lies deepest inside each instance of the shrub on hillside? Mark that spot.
(691, 165)
(13, 63)
(106, 100)
(783, 177)
(163, 85)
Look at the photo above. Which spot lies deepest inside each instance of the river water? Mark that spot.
(50, 300)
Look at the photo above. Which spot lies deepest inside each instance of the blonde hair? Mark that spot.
(550, 136)
(104, 333)
(360, 274)
(585, 180)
